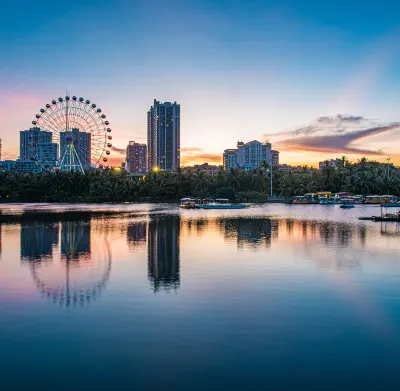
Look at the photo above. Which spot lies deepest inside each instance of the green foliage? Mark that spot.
(252, 196)
(363, 177)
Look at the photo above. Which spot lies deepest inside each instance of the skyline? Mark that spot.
(241, 71)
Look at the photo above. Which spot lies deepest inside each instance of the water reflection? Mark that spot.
(136, 234)
(163, 253)
(65, 266)
(262, 232)
(249, 232)
(38, 239)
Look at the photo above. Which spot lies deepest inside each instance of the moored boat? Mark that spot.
(300, 200)
(385, 214)
(347, 206)
(222, 203)
(190, 203)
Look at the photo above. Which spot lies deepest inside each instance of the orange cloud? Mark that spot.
(195, 155)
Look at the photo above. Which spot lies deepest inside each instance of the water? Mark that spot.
(149, 297)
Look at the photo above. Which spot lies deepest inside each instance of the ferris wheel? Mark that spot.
(72, 134)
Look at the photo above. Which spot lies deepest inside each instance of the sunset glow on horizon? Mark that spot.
(239, 71)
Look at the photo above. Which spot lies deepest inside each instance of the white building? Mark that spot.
(249, 155)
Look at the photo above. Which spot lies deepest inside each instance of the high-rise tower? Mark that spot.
(163, 135)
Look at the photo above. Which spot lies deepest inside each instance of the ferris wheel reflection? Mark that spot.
(67, 268)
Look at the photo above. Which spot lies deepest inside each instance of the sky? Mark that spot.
(241, 70)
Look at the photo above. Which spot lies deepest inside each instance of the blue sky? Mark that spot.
(239, 69)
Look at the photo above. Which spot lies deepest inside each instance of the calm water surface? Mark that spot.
(276, 297)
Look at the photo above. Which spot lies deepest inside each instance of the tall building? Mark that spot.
(83, 145)
(275, 158)
(248, 155)
(136, 158)
(37, 145)
(230, 159)
(0, 149)
(163, 135)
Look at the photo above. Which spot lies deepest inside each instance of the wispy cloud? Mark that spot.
(336, 134)
(120, 151)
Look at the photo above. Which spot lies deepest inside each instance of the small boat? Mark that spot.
(347, 206)
(222, 203)
(299, 200)
(190, 203)
(326, 201)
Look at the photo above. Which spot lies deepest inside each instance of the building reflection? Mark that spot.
(38, 239)
(254, 232)
(136, 234)
(67, 269)
(163, 253)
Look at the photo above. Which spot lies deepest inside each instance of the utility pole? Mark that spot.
(270, 174)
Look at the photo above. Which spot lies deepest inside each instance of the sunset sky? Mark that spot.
(320, 79)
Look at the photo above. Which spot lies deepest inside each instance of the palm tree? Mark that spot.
(200, 180)
(234, 177)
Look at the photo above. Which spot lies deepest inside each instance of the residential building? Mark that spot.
(288, 167)
(82, 142)
(37, 145)
(275, 157)
(249, 155)
(230, 159)
(163, 135)
(27, 166)
(136, 158)
(331, 163)
(205, 167)
(7, 165)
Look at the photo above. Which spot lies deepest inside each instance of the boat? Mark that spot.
(326, 201)
(385, 214)
(383, 199)
(300, 200)
(347, 206)
(222, 203)
(190, 203)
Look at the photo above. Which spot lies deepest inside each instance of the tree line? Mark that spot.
(110, 185)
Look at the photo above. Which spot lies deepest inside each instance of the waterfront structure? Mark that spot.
(249, 155)
(82, 144)
(209, 169)
(136, 158)
(331, 163)
(37, 145)
(163, 135)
